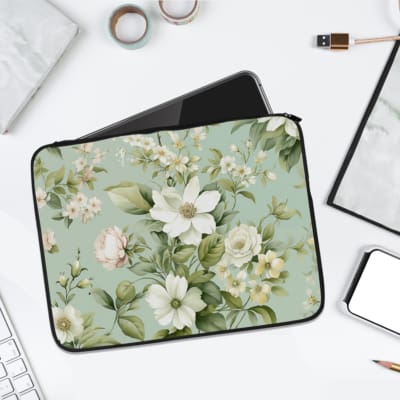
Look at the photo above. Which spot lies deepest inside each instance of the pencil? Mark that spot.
(388, 365)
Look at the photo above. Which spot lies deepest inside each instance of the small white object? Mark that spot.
(6, 387)
(23, 383)
(8, 351)
(16, 368)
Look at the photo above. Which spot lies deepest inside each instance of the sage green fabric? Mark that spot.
(171, 234)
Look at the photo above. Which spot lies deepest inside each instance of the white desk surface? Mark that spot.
(98, 83)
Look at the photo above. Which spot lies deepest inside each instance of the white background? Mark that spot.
(98, 83)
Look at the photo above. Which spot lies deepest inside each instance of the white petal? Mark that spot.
(176, 286)
(179, 225)
(191, 236)
(176, 321)
(291, 128)
(161, 214)
(275, 122)
(157, 296)
(186, 315)
(207, 201)
(191, 191)
(193, 299)
(204, 223)
(160, 202)
(167, 317)
(172, 198)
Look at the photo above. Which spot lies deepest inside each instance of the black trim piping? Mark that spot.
(296, 120)
(354, 144)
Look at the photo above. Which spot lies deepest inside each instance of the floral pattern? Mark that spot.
(172, 234)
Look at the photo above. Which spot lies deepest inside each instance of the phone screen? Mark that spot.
(238, 97)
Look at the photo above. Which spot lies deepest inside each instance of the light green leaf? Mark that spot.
(55, 151)
(279, 291)
(59, 190)
(99, 341)
(268, 232)
(267, 313)
(103, 298)
(253, 317)
(227, 184)
(248, 195)
(210, 293)
(99, 169)
(183, 253)
(211, 322)
(87, 319)
(132, 326)
(200, 277)
(238, 124)
(228, 217)
(133, 198)
(211, 250)
(161, 334)
(55, 177)
(143, 268)
(232, 302)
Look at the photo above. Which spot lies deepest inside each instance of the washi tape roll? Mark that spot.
(122, 41)
(179, 19)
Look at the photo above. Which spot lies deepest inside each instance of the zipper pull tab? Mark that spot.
(293, 117)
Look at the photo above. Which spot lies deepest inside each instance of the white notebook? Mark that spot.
(33, 36)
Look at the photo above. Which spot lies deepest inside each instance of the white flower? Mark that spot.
(110, 248)
(261, 156)
(85, 147)
(186, 217)
(269, 263)
(271, 175)
(175, 303)
(311, 241)
(94, 205)
(179, 162)
(198, 135)
(120, 154)
(234, 148)
(162, 154)
(310, 301)
(250, 180)
(222, 268)
(177, 142)
(249, 144)
(49, 240)
(263, 119)
(259, 292)
(243, 242)
(237, 285)
(134, 140)
(72, 210)
(227, 164)
(148, 143)
(276, 122)
(86, 215)
(40, 197)
(98, 156)
(242, 171)
(80, 163)
(68, 323)
(80, 198)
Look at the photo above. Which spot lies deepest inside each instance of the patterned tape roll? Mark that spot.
(120, 12)
(180, 20)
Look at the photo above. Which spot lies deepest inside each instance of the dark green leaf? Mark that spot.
(54, 201)
(161, 334)
(183, 253)
(211, 249)
(200, 277)
(267, 313)
(279, 291)
(132, 326)
(232, 302)
(210, 293)
(143, 268)
(211, 322)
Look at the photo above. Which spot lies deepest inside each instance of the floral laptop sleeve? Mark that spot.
(170, 234)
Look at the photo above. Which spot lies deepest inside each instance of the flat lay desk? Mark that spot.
(98, 83)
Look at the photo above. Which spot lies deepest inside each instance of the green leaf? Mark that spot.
(132, 326)
(211, 322)
(54, 201)
(181, 332)
(99, 341)
(55, 151)
(67, 222)
(211, 250)
(59, 190)
(183, 253)
(125, 292)
(130, 197)
(232, 302)
(279, 291)
(151, 225)
(288, 159)
(200, 277)
(217, 153)
(141, 268)
(228, 217)
(238, 124)
(252, 317)
(227, 184)
(161, 334)
(256, 131)
(62, 297)
(267, 313)
(248, 195)
(210, 293)
(218, 212)
(99, 169)
(87, 319)
(55, 177)
(268, 232)
(103, 298)
(54, 249)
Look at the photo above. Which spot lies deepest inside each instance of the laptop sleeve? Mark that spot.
(171, 234)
